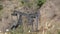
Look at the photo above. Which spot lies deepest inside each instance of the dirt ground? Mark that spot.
(49, 16)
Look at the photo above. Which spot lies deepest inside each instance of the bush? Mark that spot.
(1, 7)
(59, 32)
(40, 2)
(34, 3)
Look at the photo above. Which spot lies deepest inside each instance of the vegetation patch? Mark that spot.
(34, 3)
(18, 30)
(59, 32)
(1, 7)
(40, 2)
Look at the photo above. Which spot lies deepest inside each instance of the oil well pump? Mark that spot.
(30, 17)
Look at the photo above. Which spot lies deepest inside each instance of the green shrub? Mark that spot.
(34, 3)
(58, 32)
(40, 2)
(18, 30)
(1, 7)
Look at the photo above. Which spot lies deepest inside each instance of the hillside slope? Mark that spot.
(50, 16)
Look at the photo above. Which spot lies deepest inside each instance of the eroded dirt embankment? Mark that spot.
(50, 15)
